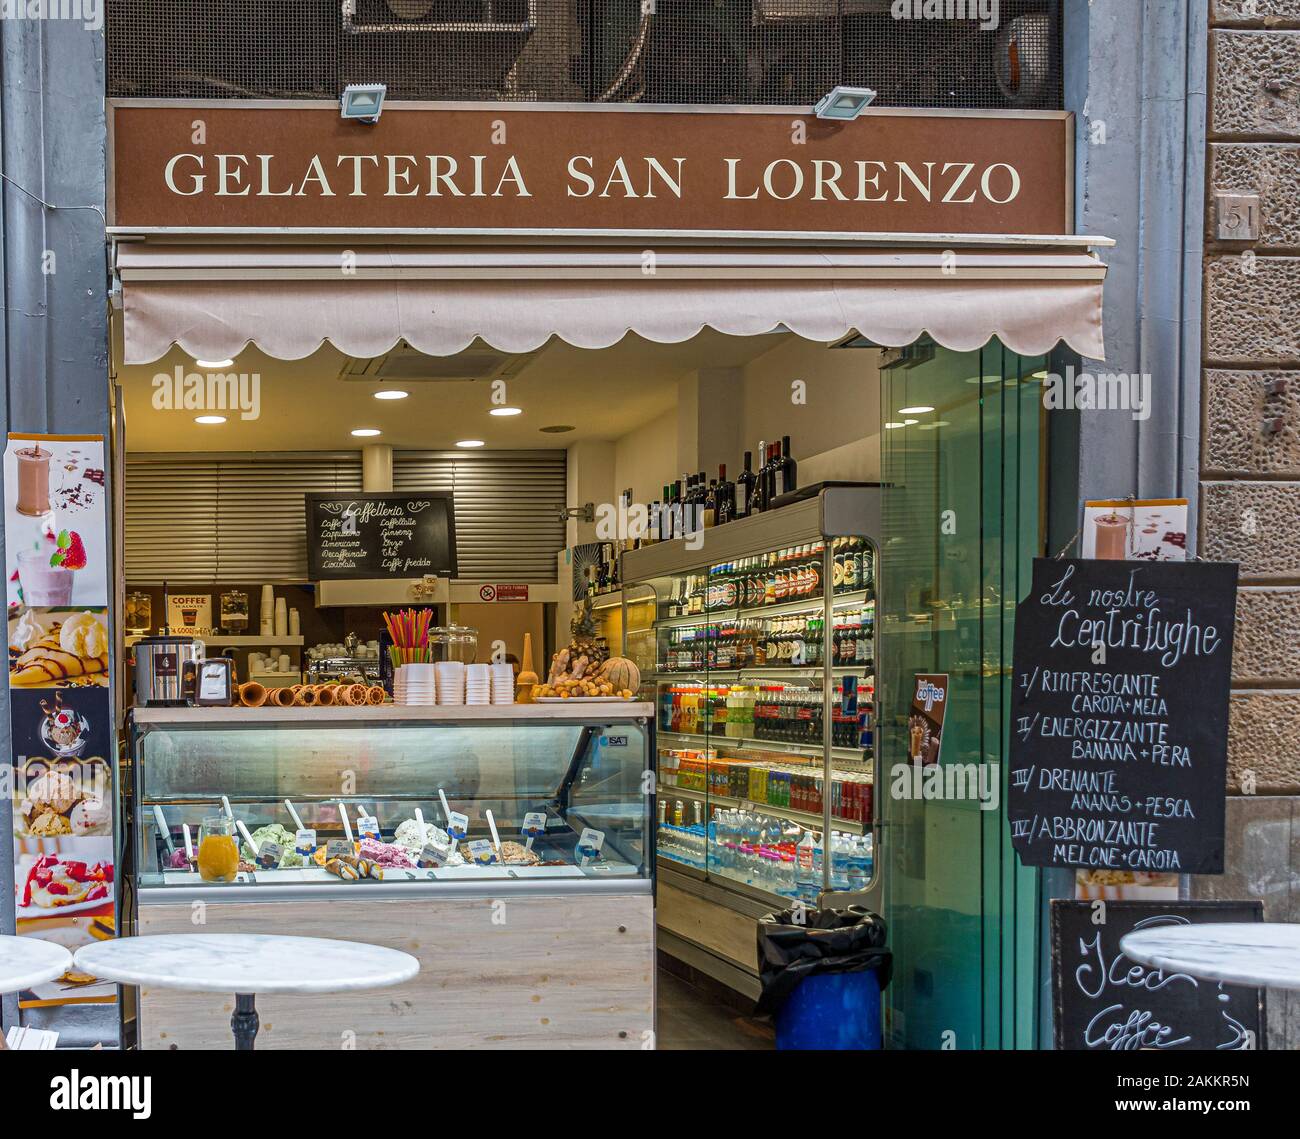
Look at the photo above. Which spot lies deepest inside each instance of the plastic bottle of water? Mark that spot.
(805, 872)
(841, 851)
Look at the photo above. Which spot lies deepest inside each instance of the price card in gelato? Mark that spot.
(457, 825)
(269, 854)
(481, 852)
(337, 847)
(436, 853)
(304, 842)
(589, 845)
(534, 824)
(368, 827)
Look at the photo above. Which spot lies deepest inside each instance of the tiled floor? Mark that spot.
(692, 1018)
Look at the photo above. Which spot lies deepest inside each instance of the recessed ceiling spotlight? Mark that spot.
(506, 411)
(391, 393)
(932, 426)
(209, 419)
(910, 422)
(983, 379)
(214, 363)
(919, 409)
(469, 442)
(557, 428)
(365, 432)
(894, 426)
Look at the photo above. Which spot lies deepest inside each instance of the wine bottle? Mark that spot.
(745, 482)
(710, 505)
(787, 470)
(759, 503)
(726, 497)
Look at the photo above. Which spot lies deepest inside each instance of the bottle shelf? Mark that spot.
(779, 609)
(762, 670)
(852, 754)
(804, 818)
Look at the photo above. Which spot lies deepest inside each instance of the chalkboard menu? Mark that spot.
(380, 535)
(1103, 1000)
(1119, 713)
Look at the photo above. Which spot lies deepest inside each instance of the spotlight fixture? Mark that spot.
(894, 426)
(935, 425)
(365, 432)
(469, 443)
(844, 103)
(209, 419)
(213, 363)
(557, 428)
(919, 409)
(506, 411)
(391, 393)
(362, 102)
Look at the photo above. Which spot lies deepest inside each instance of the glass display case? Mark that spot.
(343, 799)
(763, 685)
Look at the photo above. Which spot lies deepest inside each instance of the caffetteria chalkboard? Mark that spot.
(1119, 709)
(1103, 1000)
(380, 536)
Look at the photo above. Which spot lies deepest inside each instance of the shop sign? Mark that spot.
(1105, 1001)
(582, 168)
(370, 536)
(1119, 714)
(925, 719)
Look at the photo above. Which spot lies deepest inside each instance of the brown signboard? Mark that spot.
(583, 168)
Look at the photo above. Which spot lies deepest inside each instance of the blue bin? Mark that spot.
(833, 1011)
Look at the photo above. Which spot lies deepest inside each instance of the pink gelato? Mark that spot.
(385, 854)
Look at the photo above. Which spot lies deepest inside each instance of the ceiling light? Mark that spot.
(391, 393)
(920, 409)
(557, 428)
(932, 426)
(844, 103)
(983, 379)
(910, 422)
(469, 443)
(362, 102)
(209, 419)
(365, 432)
(894, 426)
(1038, 375)
(213, 363)
(506, 411)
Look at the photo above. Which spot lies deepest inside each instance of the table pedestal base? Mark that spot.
(244, 1022)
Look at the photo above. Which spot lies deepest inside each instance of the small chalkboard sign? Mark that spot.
(1119, 705)
(380, 536)
(1105, 1001)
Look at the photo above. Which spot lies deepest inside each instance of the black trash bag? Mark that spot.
(819, 941)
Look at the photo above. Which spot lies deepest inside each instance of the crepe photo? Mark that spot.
(58, 648)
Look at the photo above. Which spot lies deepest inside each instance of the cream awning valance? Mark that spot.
(215, 299)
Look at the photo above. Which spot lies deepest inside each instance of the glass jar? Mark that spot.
(218, 857)
(139, 614)
(454, 642)
(234, 612)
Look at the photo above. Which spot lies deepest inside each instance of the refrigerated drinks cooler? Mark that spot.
(763, 684)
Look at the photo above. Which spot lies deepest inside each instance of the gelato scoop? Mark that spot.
(274, 832)
(385, 853)
(90, 816)
(178, 861)
(412, 839)
(54, 790)
(84, 635)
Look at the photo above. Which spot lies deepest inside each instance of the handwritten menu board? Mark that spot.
(380, 535)
(1103, 1000)
(1120, 715)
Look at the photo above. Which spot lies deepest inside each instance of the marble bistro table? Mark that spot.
(1264, 954)
(246, 964)
(27, 961)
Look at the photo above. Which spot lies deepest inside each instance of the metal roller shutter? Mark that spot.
(241, 518)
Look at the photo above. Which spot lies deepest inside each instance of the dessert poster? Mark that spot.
(1134, 529)
(60, 705)
(56, 547)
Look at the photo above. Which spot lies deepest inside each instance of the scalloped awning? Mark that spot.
(215, 299)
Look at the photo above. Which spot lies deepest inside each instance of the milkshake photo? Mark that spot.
(33, 480)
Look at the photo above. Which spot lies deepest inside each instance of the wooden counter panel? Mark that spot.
(519, 973)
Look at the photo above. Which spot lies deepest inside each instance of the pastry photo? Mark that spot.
(58, 649)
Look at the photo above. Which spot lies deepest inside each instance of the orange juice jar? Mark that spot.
(218, 857)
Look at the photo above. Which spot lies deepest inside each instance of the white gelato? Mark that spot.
(90, 816)
(28, 632)
(413, 839)
(84, 635)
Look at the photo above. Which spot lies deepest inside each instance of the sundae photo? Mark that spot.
(64, 731)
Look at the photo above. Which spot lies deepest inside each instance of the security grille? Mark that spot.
(914, 53)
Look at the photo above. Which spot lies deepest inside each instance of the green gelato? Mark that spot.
(274, 832)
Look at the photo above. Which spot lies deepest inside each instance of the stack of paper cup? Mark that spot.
(503, 683)
(399, 684)
(267, 611)
(478, 684)
(451, 681)
(418, 684)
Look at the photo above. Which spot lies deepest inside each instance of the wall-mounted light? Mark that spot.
(211, 364)
(844, 103)
(362, 102)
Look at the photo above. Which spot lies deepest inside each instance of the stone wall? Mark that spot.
(1250, 448)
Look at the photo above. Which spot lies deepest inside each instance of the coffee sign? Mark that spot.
(380, 536)
(1120, 715)
(587, 168)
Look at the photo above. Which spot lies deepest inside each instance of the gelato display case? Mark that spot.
(509, 849)
(763, 681)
